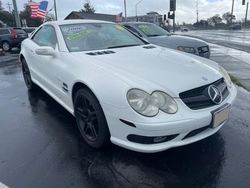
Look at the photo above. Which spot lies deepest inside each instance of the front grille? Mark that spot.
(198, 98)
(203, 51)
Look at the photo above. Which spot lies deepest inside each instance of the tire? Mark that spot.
(90, 119)
(6, 46)
(27, 76)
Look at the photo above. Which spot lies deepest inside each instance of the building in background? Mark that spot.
(152, 17)
(92, 16)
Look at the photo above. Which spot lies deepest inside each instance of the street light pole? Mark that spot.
(232, 12)
(17, 18)
(246, 15)
(55, 9)
(125, 10)
(136, 6)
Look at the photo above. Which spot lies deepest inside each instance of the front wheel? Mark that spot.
(90, 119)
(6, 46)
(27, 76)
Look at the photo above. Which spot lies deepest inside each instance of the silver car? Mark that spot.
(156, 35)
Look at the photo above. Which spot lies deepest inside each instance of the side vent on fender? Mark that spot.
(101, 52)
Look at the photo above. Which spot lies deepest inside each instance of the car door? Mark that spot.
(45, 67)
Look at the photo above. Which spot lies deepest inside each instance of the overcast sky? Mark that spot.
(186, 9)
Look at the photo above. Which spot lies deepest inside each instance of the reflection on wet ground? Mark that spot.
(235, 39)
(40, 146)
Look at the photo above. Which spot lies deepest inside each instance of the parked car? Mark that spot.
(156, 35)
(120, 88)
(29, 30)
(184, 29)
(11, 37)
(236, 26)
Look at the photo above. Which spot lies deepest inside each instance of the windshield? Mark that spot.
(151, 30)
(96, 36)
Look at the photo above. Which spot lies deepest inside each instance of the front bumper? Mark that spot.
(180, 124)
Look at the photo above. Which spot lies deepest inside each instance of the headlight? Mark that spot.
(186, 49)
(226, 77)
(149, 105)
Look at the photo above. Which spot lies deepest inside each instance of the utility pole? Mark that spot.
(125, 10)
(197, 11)
(232, 12)
(9, 6)
(246, 15)
(136, 6)
(173, 9)
(55, 9)
(17, 18)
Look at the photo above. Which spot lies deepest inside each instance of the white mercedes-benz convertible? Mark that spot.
(122, 89)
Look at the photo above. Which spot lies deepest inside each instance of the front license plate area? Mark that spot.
(220, 115)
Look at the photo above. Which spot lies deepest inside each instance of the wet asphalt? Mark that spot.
(237, 39)
(40, 147)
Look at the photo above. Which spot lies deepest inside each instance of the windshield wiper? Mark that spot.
(154, 35)
(123, 46)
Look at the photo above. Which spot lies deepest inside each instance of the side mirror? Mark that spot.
(46, 51)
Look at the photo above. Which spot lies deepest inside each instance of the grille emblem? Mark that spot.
(214, 94)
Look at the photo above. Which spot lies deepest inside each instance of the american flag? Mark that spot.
(34, 8)
(42, 10)
(38, 10)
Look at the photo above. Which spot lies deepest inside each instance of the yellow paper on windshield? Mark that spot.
(119, 27)
(76, 36)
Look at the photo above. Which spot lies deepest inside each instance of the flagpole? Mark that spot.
(125, 10)
(55, 9)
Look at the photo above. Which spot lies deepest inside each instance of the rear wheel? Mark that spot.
(90, 119)
(27, 76)
(6, 46)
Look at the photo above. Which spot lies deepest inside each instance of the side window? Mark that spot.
(4, 32)
(133, 30)
(46, 36)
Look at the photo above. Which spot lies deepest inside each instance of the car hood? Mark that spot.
(173, 41)
(156, 68)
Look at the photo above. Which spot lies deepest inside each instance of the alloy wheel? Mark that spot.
(87, 118)
(6, 46)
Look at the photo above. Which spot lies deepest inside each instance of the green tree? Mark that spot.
(50, 17)
(87, 7)
(7, 18)
(31, 22)
(215, 20)
(228, 17)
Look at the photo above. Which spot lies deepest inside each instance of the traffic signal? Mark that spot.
(171, 16)
(165, 17)
(172, 5)
(243, 2)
